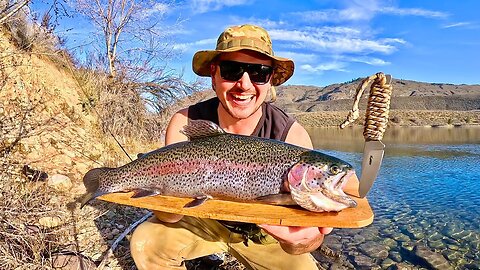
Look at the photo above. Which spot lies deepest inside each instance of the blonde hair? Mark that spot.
(273, 94)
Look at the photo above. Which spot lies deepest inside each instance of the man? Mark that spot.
(243, 71)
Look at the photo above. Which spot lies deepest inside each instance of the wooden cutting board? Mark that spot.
(360, 216)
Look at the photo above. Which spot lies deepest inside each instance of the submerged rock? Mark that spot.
(430, 259)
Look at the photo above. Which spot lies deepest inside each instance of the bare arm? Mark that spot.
(173, 135)
(297, 135)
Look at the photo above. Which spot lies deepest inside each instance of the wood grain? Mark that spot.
(360, 216)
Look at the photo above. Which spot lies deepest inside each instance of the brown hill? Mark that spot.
(406, 95)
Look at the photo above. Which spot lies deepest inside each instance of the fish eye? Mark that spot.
(335, 169)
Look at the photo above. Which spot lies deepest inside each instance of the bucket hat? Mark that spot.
(244, 37)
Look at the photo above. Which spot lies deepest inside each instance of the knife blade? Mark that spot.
(372, 160)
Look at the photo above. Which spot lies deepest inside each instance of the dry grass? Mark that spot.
(23, 243)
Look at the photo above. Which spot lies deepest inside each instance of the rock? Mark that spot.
(374, 250)
(436, 244)
(401, 266)
(362, 261)
(395, 256)
(401, 237)
(50, 222)
(435, 236)
(430, 259)
(72, 261)
(60, 182)
(386, 263)
(389, 242)
(357, 239)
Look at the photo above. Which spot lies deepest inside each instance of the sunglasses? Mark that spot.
(233, 71)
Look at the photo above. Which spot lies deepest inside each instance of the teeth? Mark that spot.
(242, 97)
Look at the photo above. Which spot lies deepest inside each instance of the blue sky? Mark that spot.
(336, 41)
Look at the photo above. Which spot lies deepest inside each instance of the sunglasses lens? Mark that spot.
(233, 71)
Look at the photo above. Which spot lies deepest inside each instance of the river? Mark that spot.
(426, 200)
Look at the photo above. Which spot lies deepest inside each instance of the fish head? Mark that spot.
(316, 182)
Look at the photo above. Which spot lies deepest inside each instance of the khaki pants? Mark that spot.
(158, 245)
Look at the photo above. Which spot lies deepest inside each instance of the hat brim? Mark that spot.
(282, 71)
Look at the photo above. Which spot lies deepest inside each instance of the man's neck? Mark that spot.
(238, 126)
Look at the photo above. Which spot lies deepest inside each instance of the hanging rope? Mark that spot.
(378, 106)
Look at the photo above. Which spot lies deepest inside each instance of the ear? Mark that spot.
(213, 69)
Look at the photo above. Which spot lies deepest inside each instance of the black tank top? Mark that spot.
(274, 123)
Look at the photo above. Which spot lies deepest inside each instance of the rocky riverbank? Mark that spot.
(407, 118)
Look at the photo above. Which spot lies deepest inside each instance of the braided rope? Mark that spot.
(376, 117)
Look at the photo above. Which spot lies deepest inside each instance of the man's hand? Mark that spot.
(167, 217)
(297, 240)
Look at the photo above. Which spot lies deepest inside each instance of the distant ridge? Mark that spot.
(406, 95)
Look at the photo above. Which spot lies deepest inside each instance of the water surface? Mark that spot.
(426, 198)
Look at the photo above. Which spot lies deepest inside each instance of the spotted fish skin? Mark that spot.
(215, 164)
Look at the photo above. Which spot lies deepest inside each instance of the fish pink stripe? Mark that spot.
(190, 166)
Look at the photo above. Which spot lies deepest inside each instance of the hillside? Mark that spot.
(412, 104)
(47, 143)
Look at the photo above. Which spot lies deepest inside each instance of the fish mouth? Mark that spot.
(328, 198)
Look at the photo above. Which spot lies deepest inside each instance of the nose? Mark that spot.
(244, 82)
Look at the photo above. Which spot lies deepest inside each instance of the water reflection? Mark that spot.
(402, 141)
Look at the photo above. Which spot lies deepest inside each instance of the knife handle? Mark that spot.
(378, 107)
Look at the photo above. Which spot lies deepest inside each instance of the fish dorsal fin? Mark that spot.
(201, 128)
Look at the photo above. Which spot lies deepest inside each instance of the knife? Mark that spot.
(372, 159)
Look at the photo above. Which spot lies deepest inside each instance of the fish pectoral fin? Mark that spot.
(199, 200)
(277, 199)
(139, 193)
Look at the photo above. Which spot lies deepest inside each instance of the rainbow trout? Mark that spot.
(216, 164)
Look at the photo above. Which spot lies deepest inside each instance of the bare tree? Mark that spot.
(132, 39)
(9, 8)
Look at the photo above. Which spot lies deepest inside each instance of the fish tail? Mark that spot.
(91, 181)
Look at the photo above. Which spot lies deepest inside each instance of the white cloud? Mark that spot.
(157, 10)
(413, 12)
(298, 57)
(332, 15)
(335, 66)
(323, 39)
(265, 23)
(203, 6)
(370, 61)
(362, 12)
(203, 44)
(459, 24)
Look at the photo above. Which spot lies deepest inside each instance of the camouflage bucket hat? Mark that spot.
(244, 37)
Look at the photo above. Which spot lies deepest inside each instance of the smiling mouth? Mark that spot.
(241, 98)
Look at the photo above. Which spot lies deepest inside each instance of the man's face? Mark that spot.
(243, 97)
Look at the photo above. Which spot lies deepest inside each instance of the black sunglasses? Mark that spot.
(233, 71)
